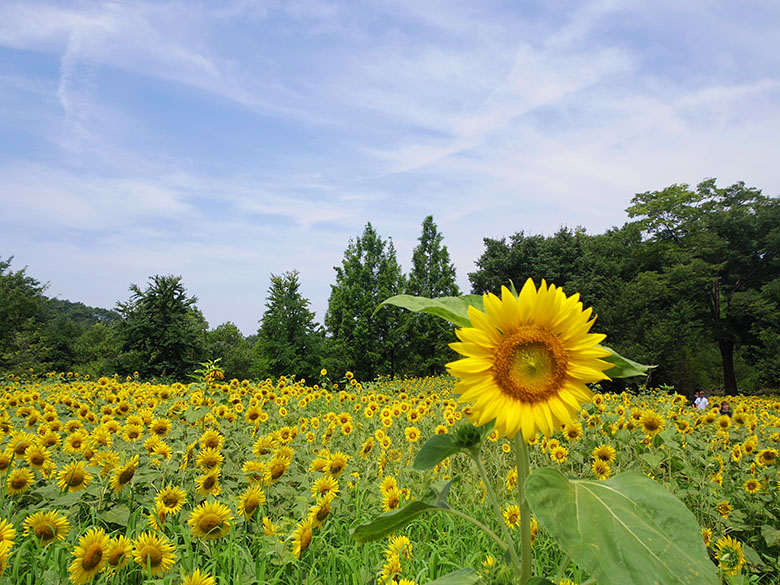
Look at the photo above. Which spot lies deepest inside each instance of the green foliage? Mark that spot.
(21, 301)
(366, 343)
(288, 340)
(227, 343)
(162, 332)
(432, 276)
(435, 499)
(452, 309)
(628, 529)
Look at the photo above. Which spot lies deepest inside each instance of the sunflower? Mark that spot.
(324, 486)
(37, 456)
(512, 516)
(528, 360)
(277, 467)
(132, 432)
(337, 464)
(198, 578)
(766, 457)
(208, 484)
(119, 551)
(573, 431)
(412, 434)
(255, 471)
(752, 485)
(368, 444)
(605, 453)
(724, 509)
(19, 480)
(7, 533)
(90, 556)
(319, 511)
(601, 469)
(46, 526)
(302, 537)
(171, 499)
(73, 477)
(211, 439)
(729, 555)
(121, 476)
(652, 423)
(399, 546)
(559, 454)
(250, 501)
(153, 552)
(209, 458)
(210, 520)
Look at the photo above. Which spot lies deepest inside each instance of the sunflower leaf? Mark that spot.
(452, 309)
(539, 581)
(434, 451)
(628, 529)
(389, 522)
(623, 367)
(459, 577)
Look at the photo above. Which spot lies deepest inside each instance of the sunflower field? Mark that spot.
(124, 481)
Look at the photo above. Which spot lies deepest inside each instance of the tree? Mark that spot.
(227, 344)
(288, 341)
(21, 304)
(432, 275)
(162, 332)
(368, 344)
(722, 247)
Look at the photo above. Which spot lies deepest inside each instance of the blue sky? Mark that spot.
(226, 141)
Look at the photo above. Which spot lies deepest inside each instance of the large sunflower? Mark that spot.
(154, 552)
(528, 360)
(90, 556)
(210, 520)
(46, 526)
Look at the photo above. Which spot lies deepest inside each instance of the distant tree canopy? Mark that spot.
(162, 332)
(288, 340)
(368, 344)
(691, 283)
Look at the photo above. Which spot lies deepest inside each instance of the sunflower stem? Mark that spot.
(478, 524)
(491, 495)
(523, 471)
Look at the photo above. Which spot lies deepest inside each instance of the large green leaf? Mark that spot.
(628, 529)
(389, 522)
(459, 577)
(623, 367)
(435, 450)
(452, 309)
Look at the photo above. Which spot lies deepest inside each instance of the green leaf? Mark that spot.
(459, 577)
(435, 450)
(628, 529)
(539, 581)
(193, 414)
(452, 309)
(389, 522)
(116, 515)
(771, 535)
(623, 367)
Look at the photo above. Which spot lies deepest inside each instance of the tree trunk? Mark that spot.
(727, 356)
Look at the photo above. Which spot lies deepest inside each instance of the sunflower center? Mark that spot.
(76, 478)
(126, 475)
(209, 482)
(19, 482)
(170, 501)
(209, 522)
(92, 556)
(530, 364)
(45, 532)
(151, 556)
(36, 459)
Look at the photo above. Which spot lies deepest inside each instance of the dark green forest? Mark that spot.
(690, 284)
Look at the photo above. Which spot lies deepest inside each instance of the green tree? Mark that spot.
(432, 275)
(721, 250)
(288, 340)
(162, 332)
(226, 343)
(21, 304)
(368, 344)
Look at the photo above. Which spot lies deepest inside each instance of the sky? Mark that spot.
(228, 141)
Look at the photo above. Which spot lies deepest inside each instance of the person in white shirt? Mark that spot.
(701, 402)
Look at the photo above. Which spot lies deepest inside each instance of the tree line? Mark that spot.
(691, 284)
